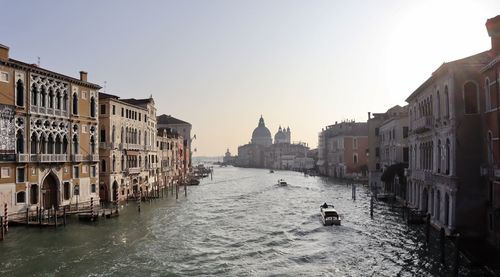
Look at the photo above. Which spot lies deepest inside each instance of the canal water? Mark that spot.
(238, 224)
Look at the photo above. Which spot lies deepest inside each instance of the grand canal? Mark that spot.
(238, 224)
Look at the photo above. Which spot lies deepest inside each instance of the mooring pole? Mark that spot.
(185, 190)
(91, 209)
(457, 255)
(139, 203)
(427, 227)
(177, 191)
(64, 216)
(55, 216)
(6, 218)
(371, 207)
(27, 216)
(2, 233)
(353, 192)
(442, 243)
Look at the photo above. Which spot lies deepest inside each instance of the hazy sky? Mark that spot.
(221, 64)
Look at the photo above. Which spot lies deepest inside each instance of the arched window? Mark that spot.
(122, 163)
(34, 194)
(65, 145)
(139, 137)
(487, 96)
(75, 103)
(438, 98)
(446, 102)
(448, 158)
(92, 106)
(20, 142)
(58, 145)
(43, 144)
(114, 164)
(50, 145)
(34, 95)
(21, 197)
(355, 158)
(140, 161)
(75, 144)
(65, 102)
(438, 206)
(490, 147)
(121, 136)
(113, 134)
(92, 145)
(58, 100)
(470, 98)
(34, 143)
(103, 165)
(20, 93)
(43, 97)
(439, 156)
(51, 99)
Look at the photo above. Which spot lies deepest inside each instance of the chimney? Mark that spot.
(493, 27)
(83, 76)
(4, 52)
(369, 115)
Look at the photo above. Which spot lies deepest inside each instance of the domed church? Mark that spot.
(261, 135)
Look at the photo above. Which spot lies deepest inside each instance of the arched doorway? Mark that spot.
(115, 191)
(103, 192)
(50, 192)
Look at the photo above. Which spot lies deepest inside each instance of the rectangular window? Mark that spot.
(140, 116)
(354, 143)
(377, 152)
(5, 173)
(406, 154)
(114, 109)
(76, 172)
(4, 77)
(93, 188)
(122, 112)
(103, 109)
(66, 190)
(21, 176)
(93, 171)
(405, 132)
(103, 135)
(84, 95)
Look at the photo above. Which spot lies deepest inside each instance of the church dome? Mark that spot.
(261, 135)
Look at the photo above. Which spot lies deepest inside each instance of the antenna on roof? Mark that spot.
(38, 61)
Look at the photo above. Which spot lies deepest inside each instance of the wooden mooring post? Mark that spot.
(2, 233)
(456, 265)
(442, 238)
(185, 190)
(64, 216)
(54, 212)
(177, 191)
(27, 216)
(6, 218)
(371, 207)
(427, 227)
(139, 202)
(353, 192)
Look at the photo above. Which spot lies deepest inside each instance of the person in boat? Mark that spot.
(324, 205)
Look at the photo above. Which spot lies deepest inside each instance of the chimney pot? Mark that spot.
(83, 76)
(4, 52)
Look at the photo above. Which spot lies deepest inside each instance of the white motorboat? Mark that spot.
(329, 215)
(282, 182)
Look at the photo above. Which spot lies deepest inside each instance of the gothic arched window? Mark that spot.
(20, 93)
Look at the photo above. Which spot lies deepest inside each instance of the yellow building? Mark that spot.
(49, 130)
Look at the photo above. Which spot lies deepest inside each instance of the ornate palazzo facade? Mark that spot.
(51, 158)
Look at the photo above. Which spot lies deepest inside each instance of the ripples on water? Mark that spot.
(238, 224)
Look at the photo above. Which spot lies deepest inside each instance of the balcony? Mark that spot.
(422, 175)
(134, 170)
(76, 158)
(92, 158)
(423, 124)
(23, 158)
(48, 158)
(48, 111)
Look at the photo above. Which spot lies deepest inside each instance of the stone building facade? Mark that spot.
(49, 155)
(170, 156)
(128, 157)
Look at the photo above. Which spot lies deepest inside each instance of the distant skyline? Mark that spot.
(221, 64)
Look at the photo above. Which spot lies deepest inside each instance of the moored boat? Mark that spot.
(329, 215)
(282, 182)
